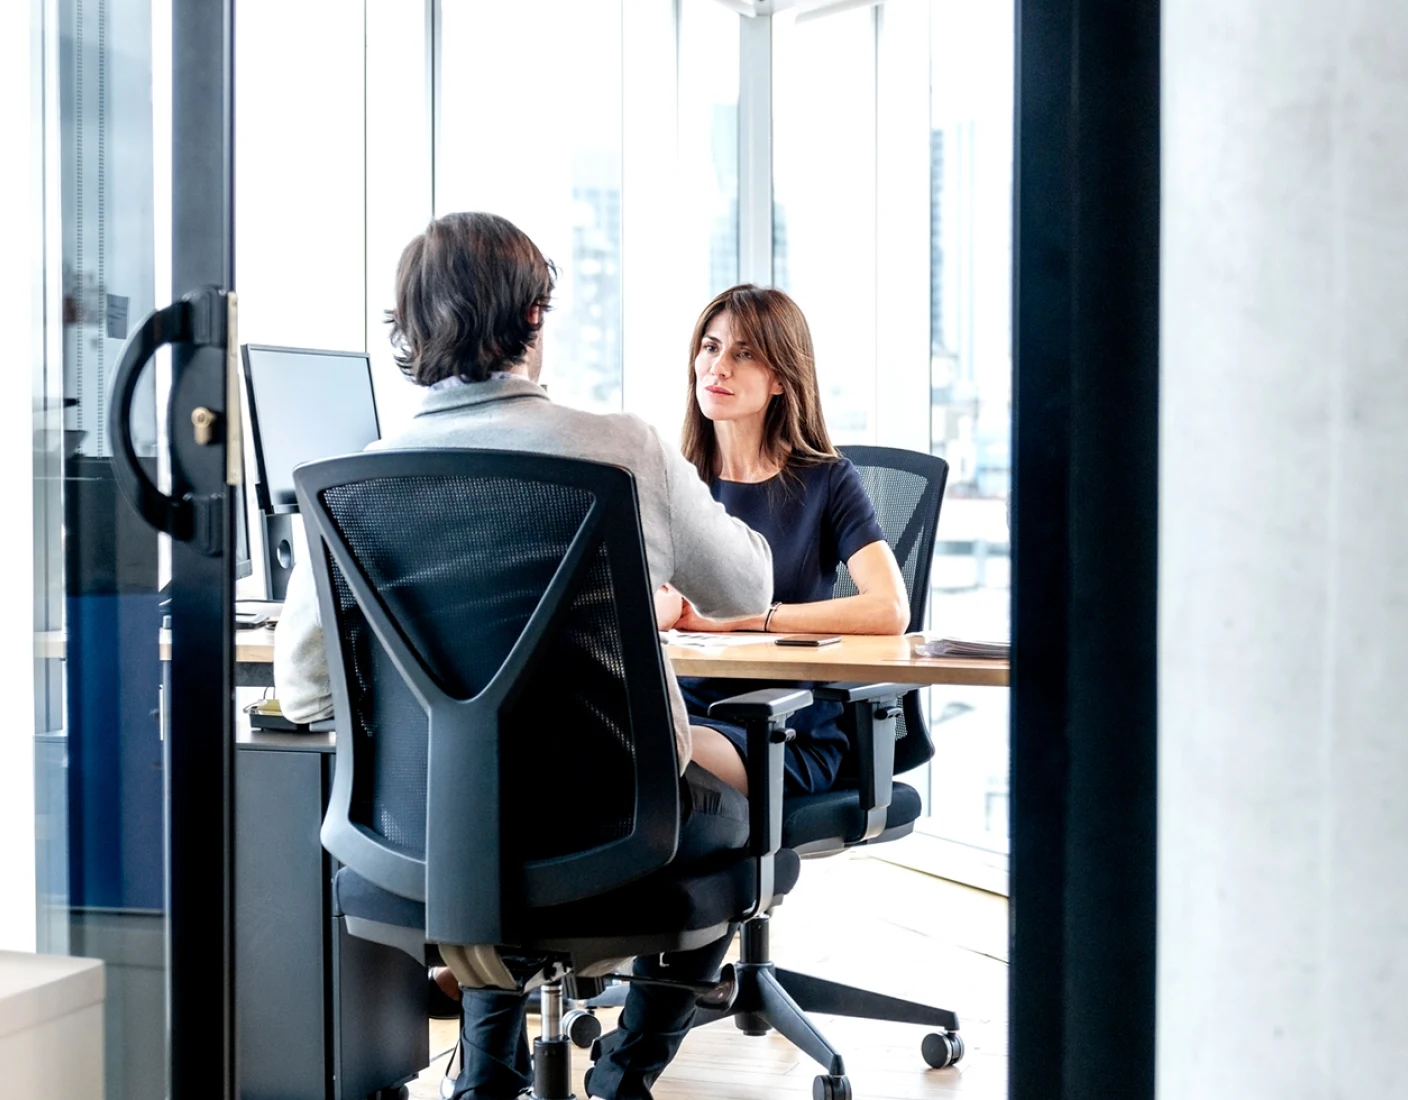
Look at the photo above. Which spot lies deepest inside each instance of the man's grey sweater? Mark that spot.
(721, 566)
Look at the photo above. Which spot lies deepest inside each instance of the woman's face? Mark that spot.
(730, 382)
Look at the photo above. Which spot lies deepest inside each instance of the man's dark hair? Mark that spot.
(464, 290)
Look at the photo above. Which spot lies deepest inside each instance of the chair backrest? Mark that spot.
(906, 489)
(492, 649)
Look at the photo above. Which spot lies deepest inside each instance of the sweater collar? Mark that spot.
(479, 393)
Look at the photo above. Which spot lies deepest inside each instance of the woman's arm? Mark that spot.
(882, 607)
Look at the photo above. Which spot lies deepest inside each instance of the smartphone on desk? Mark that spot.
(808, 639)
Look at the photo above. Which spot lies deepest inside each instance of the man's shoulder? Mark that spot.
(623, 423)
(612, 437)
(547, 428)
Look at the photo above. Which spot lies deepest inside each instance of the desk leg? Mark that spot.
(281, 970)
(322, 1015)
(383, 1034)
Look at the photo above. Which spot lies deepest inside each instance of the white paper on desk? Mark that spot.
(693, 639)
(959, 647)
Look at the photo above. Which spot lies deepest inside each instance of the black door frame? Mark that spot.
(200, 749)
(1085, 515)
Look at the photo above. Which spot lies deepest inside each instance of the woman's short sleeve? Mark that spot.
(852, 519)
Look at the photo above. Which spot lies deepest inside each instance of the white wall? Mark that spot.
(1283, 924)
(299, 186)
(398, 182)
(332, 179)
(21, 227)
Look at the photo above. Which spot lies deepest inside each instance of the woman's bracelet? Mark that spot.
(767, 619)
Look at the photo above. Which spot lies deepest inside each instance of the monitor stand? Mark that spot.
(279, 555)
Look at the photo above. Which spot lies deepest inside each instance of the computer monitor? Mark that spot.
(244, 562)
(304, 404)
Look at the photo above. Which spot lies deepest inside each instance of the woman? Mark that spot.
(754, 431)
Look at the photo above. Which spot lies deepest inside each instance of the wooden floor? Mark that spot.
(857, 919)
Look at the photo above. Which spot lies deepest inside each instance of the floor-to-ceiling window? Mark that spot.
(970, 279)
(614, 141)
(611, 139)
(529, 121)
(889, 121)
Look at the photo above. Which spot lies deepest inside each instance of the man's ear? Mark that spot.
(535, 315)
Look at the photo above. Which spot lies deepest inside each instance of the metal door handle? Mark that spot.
(199, 319)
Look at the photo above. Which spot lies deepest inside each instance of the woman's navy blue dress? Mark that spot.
(814, 518)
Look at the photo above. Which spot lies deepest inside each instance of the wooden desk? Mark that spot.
(254, 655)
(252, 647)
(855, 657)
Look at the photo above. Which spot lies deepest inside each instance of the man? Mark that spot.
(471, 295)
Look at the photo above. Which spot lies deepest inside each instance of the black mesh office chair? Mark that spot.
(906, 489)
(888, 733)
(888, 737)
(492, 649)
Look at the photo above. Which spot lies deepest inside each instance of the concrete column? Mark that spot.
(1283, 912)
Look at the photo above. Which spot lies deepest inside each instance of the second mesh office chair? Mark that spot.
(906, 489)
(506, 784)
(866, 806)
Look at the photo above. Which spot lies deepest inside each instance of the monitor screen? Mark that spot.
(244, 563)
(305, 405)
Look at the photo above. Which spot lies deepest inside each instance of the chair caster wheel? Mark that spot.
(942, 1049)
(581, 1027)
(831, 1088)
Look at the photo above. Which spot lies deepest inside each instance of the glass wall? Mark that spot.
(892, 228)
(21, 435)
(970, 149)
(98, 751)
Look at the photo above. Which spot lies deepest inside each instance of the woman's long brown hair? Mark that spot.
(772, 325)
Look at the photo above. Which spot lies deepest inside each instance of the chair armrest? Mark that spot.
(766, 703)
(763, 714)
(874, 708)
(862, 693)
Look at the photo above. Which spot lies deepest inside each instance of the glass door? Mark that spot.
(134, 530)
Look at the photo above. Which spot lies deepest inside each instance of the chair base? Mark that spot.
(766, 998)
(552, 1069)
